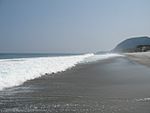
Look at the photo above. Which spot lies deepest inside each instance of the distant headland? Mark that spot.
(135, 44)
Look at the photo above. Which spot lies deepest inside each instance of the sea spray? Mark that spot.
(14, 72)
(98, 57)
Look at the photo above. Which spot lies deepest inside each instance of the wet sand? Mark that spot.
(141, 57)
(116, 85)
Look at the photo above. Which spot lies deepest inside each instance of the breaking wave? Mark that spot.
(14, 72)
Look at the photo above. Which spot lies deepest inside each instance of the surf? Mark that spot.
(14, 72)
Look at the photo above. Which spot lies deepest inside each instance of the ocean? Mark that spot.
(32, 55)
(85, 83)
(17, 68)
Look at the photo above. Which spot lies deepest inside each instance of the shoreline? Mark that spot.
(140, 57)
(111, 85)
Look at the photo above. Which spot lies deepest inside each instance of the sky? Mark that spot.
(70, 26)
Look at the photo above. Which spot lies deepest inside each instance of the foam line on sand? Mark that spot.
(140, 57)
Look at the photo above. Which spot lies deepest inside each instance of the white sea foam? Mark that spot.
(102, 56)
(14, 72)
(143, 99)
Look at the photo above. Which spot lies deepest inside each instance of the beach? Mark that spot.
(140, 57)
(114, 85)
(74, 56)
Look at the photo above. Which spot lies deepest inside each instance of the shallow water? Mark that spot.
(114, 85)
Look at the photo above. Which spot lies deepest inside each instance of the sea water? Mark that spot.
(15, 69)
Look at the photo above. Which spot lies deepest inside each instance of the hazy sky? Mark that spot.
(70, 25)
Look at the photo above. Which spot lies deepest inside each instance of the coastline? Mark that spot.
(111, 85)
(140, 57)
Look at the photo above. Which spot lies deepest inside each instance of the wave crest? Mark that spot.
(14, 72)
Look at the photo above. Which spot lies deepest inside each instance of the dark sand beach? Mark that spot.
(140, 57)
(116, 85)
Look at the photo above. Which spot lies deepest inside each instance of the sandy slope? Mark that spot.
(140, 57)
